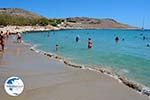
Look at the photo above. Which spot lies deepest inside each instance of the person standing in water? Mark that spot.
(2, 39)
(89, 43)
(57, 47)
(7, 34)
(77, 38)
(48, 35)
(117, 39)
(144, 37)
(19, 38)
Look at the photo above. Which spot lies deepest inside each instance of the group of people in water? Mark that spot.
(77, 40)
(5, 35)
(117, 40)
(89, 41)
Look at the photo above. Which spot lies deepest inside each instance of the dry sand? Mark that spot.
(48, 79)
(14, 29)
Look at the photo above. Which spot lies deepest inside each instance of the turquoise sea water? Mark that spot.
(130, 58)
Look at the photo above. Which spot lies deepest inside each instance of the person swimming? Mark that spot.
(48, 35)
(148, 45)
(144, 37)
(141, 34)
(117, 39)
(77, 38)
(89, 43)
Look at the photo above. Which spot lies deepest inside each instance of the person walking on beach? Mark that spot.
(19, 38)
(2, 39)
(7, 34)
(89, 43)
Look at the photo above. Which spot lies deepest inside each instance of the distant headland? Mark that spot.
(20, 17)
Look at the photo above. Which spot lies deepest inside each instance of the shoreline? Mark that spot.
(23, 29)
(140, 88)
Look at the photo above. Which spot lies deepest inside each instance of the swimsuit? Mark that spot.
(89, 44)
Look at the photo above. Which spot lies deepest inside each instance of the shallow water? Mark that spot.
(130, 57)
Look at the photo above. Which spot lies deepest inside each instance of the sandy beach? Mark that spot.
(15, 29)
(48, 79)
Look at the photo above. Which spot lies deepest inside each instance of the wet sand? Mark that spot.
(48, 79)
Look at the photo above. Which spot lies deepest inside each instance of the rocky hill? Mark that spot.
(20, 17)
(90, 23)
(16, 12)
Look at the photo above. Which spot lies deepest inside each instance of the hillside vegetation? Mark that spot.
(9, 16)
(20, 17)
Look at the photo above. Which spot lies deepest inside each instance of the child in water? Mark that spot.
(57, 47)
(89, 43)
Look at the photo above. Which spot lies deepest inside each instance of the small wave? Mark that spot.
(146, 91)
(25, 43)
(34, 48)
(124, 71)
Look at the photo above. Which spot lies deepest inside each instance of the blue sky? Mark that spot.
(127, 11)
